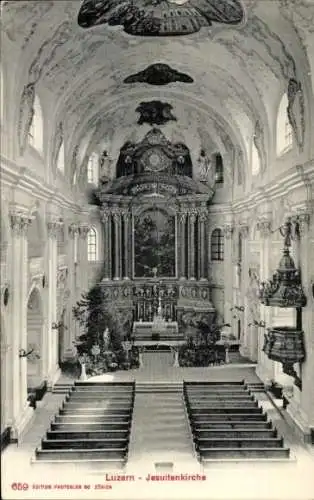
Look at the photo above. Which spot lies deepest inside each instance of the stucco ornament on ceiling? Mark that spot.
(159, 74)
(295, 111)
(155, 113)
(160, 17)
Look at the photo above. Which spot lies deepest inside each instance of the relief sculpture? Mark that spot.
(156, 17)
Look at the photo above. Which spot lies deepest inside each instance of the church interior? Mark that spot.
(157, 244)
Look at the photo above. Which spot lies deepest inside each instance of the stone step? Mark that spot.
(205, 443)
(95, 444)
(234, 433)
(76, 426)
(88, 434)
(228, 417)
(222, 404)
(116, 385)
(88, 399)
(214, 383)
(220, 391)
(99, 390)
(220, 397)
(240, 453)
(72, 410)
(81, 454)
(92, 417)
(225, 410)
(97, 404)
(235, 424)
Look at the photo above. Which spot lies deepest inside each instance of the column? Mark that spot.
(83, 256)
(127, 253)
(192, 220)
(20, 409)
(244, 284)
(73, 279)
(182, 240)
(228, 275)
(107, 249)
(265, 368)
(50, 347)
(117, 239)
(202, 242)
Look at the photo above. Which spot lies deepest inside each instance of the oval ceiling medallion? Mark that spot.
(160, 17)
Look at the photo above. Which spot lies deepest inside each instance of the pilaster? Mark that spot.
(84, 229)
(192, 219)
(182, 240)
(228, 230)
(106, 219)
(20, 410)
(50, 349)
(127, 253)
(265, 368)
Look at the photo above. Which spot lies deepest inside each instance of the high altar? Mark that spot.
(154, 215)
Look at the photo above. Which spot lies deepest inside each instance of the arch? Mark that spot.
(35, 323)
(93, 169)
(217, 245)
(284, 135)
(92, 245)
(36, 129)
(60, 159)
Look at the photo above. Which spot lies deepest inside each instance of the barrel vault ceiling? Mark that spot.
(238, 71)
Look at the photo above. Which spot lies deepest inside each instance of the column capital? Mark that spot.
(264, 226)
(73, 229)
(126, 214)
(228, 230)
(244, 229)
(84, 230)
(192, 215)
(203, 215)
(20, 221)
(105, 216)
(54, 224)
(182, 216)
(116, 214)
(301, 222)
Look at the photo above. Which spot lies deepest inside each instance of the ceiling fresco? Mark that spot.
(227, 73)
(160, 17)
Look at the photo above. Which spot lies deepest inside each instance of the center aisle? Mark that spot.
(161, 439)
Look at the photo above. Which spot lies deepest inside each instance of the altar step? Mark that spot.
(159, 387)
(62, 388)
(227, 423)
(91, 428)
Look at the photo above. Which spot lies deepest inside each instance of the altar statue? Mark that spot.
(206, 170)
(106, 339)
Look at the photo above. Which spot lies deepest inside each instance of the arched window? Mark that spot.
(93, 169)
(60, 158)
(92, 245)
(35, 133)
(255, 160)
(219, 169)
(284, 129)
(217, 245)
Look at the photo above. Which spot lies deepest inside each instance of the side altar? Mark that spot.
(155, 216)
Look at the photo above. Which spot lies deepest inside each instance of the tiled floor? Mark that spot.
(255, 481)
